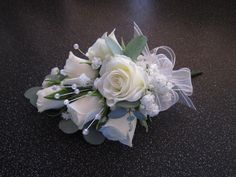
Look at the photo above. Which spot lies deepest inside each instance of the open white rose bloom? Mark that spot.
(112, 88)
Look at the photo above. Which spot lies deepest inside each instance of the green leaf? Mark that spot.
(127, 104)
(144, 124)
(54, 79)
(94, 137)
(139, 115)
(135, 47)
(113, 46)
(68, 126)
(117, 113)
(195, 73)
(63, 91)
(31, 95)
(96, 93)
(51, 83)
(101, 122)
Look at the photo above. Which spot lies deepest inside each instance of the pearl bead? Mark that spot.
(57, 96)
(98, 116)
(66, 102)
(85, 131)
(74, 86)
(54, 87)
(76, 91)
(76, 46)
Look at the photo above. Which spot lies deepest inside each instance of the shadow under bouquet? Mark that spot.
(117, 86)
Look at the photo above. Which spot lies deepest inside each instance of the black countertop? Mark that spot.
(37, 35)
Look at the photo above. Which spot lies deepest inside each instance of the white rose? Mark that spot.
(121, 79)
(84, 110)
(76, 66)
(100, 49)
(119, 130)
(44, 103)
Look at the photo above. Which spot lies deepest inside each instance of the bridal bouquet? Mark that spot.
(117, 86)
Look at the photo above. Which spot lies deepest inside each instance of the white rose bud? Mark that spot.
(76, 66)
(44, 103)
(84, 110)
(100, 49)
(120, 130)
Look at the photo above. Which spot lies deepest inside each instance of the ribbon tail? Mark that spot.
(184, 99)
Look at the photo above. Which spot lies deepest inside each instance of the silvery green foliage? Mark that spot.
(117, 113)
(139, 115)
(93, 137)
(138, 32)
(68, 126)
(127, 104)
(31, 95)
(135, 47)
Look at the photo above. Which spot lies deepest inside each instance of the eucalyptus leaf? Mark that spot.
(138, 32)
(144, 124)
(135, 47)
(195, 73)
(117, 113)
(57, 77)
(139, 115)
(68, 126)
(130, 118)
(31, 95)
(94, 137)
(51, 77)
(113, 46)
(127, 104)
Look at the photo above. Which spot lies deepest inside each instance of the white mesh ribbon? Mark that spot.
(181, 88)
(165, 101)
(184, 99)
(182, 79)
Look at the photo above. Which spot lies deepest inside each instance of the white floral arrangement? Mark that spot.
(117, 86)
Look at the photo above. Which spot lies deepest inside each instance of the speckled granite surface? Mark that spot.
(37, 35)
